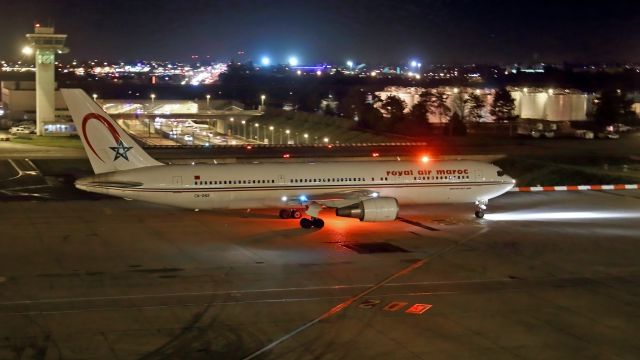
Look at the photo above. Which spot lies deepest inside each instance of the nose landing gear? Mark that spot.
(481, 206)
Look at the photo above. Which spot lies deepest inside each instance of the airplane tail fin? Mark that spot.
(108, 146)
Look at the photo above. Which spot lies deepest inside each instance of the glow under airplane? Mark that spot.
(366, 190)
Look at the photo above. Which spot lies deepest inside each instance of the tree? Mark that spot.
(503, 107)
(437, 104)
(350, 104)
(613, 107)
(457, 126)
(419, 112)
(476, 106)
(460, 104)
(394, 107)
(369, 117)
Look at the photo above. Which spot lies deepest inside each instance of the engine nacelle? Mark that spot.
(378, 209)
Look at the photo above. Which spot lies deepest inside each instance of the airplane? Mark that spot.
(366, 190)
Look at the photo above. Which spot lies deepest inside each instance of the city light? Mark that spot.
(265, 61)
(299, 72)
(293, 61)
(27, 50)
(318, 72)
(349, 63)
(414, 63)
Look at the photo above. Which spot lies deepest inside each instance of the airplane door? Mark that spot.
(176, 180)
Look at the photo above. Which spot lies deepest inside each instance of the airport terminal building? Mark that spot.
(19, 101)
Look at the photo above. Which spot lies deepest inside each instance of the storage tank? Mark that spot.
(558, 107)
(532, 105)
(566, 106)
(517, 98)
(579, 106)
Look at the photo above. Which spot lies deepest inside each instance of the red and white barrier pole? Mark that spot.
(576, 187)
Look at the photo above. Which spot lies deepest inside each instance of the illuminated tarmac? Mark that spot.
(115, 279)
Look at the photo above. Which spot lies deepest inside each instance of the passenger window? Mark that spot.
(500, 173)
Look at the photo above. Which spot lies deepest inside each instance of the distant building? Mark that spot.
(551, 104)
(531, 103)
(329, 104)
(19, 102)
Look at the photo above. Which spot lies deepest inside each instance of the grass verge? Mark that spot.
(62, 141)
(535, 172)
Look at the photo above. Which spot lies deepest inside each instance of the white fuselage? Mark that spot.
(242, 186)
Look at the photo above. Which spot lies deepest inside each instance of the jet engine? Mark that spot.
(377, 209)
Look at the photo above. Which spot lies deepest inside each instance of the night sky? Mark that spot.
(436, 31)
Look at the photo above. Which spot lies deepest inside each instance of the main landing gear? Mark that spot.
(290, 214)
(481, 206)
(311, 222)
(305, 223)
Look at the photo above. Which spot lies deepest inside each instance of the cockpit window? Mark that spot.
(500, 173)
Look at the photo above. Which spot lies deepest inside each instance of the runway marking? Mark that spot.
(284, 300)
(418, 309)
(369, 304)
(10, 161)
(394, 306)
(207, 293)
(418, 224)
(249, 291)
(338, 308)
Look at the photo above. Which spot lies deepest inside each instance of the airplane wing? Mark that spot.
(333, 199)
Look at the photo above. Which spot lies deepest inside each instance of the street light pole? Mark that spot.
(288, 132)
(271, 128)
(244, 129)
(208, 97)
(257, 131)
(231, 120)
(306, 138)
(262, 97)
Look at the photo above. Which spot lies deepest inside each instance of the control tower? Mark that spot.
(46, 44)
